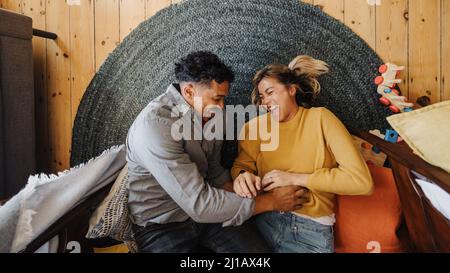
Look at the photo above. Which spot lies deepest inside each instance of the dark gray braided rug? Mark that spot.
(246, 34)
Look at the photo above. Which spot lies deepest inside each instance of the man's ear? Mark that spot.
(188, 91)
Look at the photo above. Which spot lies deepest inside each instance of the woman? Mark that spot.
(315, 151)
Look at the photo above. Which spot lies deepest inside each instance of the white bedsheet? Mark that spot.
(438, 197)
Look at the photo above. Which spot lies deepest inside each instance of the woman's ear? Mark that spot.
(292, 90)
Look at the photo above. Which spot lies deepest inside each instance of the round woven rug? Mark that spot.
(247, 35)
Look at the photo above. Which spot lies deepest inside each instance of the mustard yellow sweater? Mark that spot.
(314, 142)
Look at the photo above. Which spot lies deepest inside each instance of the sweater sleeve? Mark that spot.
(248, 151)
(351, 176)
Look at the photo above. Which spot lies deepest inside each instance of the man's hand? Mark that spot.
(289, 198)
(276, 179)
(247, 185)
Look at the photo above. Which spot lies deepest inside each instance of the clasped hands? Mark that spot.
(285, 187)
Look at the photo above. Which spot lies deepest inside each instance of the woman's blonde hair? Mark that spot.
(302, 73)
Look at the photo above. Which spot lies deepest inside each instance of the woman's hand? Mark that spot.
(247, 185)
(276, 179)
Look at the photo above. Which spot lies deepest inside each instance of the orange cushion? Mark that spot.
(367, 224)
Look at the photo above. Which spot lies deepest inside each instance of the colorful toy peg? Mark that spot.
(385, 101)
(365, 145)
(379, 80)
(391, 136)
(376, 150)
(408, 109)
(383, 68)
(394, 109)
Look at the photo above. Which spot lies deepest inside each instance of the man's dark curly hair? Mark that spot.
(202, 67)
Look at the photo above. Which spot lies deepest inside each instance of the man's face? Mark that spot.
(204, 97)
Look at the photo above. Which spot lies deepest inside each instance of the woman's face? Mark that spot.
(278, 98)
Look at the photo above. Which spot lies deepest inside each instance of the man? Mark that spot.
(180, 197)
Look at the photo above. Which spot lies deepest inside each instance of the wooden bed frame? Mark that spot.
(426, 229)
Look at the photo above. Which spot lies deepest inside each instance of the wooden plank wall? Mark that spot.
(414, 33)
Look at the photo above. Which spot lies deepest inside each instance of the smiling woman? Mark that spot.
(290, 86)
(324, 160)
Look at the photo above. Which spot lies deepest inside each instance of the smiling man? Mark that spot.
(177, 196)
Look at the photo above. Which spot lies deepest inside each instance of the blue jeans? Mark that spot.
(189, 237)
(289, 233)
